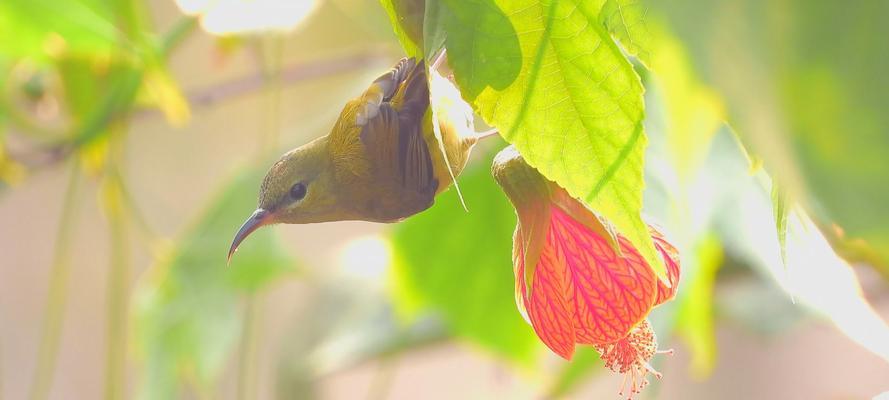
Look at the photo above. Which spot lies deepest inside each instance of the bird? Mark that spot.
(384, 159)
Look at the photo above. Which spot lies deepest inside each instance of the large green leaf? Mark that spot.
(626, 21)
(548, 74)
(407, 18)
(806, 88)
(459, 264)
(186, 306)
(418, 25)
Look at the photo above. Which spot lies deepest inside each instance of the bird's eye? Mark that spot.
(298, 191)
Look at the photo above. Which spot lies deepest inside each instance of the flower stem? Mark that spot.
(57, 292)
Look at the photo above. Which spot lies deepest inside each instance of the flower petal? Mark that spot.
(548, 306)
(518, 265)
(609, 294)
(671, 261)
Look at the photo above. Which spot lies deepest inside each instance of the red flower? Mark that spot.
(572, 283)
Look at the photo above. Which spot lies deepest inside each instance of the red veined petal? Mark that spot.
(671, 261)
(548, 306)
(608, 294)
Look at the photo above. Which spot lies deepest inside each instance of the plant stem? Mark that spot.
(57, 292)
(246, 354)
(145, 232)
(118, 276)
(118, 273)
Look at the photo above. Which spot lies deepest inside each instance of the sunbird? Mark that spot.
(381, 162)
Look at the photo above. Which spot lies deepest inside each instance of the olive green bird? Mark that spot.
(381, 162)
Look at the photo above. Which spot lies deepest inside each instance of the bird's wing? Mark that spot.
(390, 87)
(392, 134)
(395, 146)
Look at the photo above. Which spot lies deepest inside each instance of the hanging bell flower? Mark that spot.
(577, 280)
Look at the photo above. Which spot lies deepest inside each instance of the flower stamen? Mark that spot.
(631, 355)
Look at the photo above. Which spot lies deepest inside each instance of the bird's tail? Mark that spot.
(412, 94)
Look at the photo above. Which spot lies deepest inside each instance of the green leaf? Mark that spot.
(550, 77)
(459, 265)
(807, 93)
(185, 307)
(625, 19)
(434, 32)
(407, 18)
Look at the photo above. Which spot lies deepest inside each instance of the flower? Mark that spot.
(578, 281)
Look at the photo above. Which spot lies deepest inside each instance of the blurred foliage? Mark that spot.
(71, 78)
(81, 28)
(458, 264)
(694, 319)
(806, 88)
(186, 324)
(103, 55)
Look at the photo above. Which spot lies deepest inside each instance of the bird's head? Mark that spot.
(298, 189)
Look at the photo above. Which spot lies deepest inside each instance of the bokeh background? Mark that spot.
(135, 135)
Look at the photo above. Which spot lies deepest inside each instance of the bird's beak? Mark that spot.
(259, 218)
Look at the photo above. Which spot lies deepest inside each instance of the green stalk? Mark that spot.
(118, 277)
(131, 17)
(247, 352)
(118, 273)
(144, 230)
(57, 292)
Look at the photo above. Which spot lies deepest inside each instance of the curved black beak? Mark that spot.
(259, 218)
